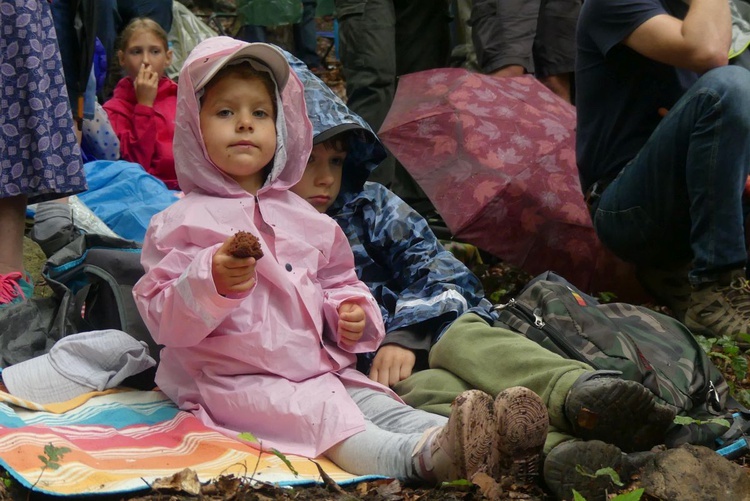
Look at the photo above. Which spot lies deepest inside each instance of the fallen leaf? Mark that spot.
(183, 481)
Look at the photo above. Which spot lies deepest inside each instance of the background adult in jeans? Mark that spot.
(663, 150)
(514, 37)
(380, 40)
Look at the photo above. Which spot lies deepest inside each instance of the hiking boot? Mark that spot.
(15, 287)
(561, 473)
(668, 286)
(461, 448)
(521, 424)
(721, 308)
(620, 412)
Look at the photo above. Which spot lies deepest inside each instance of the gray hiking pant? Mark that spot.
(536, 34)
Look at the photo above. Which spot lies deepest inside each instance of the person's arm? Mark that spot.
(699, 43)
(499, 30)
(430, 287)
(340, 285)
(177, 297)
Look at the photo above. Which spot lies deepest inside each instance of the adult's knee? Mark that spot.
(729, 82)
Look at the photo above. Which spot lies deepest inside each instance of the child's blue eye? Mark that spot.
(260, 114)
(224, 113)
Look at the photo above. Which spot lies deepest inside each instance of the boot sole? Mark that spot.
(561, 475)
(521, 428)
(472, 429)
(618, 411)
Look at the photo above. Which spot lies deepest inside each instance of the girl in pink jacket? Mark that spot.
(142, 108)
(268, 345)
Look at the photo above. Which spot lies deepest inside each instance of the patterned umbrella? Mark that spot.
(497, 159)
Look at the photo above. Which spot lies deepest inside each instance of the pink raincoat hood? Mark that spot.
(268, 361)
(195, 171)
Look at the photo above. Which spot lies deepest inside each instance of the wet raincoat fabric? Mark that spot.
(421, 287)
(146, 132)
(269, 361)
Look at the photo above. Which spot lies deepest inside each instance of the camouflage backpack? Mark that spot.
(645, 346)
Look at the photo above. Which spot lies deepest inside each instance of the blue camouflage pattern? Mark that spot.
(420, 286)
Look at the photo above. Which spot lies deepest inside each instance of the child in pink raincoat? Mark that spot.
(269, 346)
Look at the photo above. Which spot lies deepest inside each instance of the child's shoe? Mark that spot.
(461, 448)
(521, 423)
(15, 287)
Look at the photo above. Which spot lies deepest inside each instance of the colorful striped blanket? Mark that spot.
(121, 441)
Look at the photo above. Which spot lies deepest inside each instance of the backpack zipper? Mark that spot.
(535, 318)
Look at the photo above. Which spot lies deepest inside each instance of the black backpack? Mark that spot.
(645, 346)
(92, 278)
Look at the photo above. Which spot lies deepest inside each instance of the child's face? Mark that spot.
(239, 128)
(145, 48)
(321, 182)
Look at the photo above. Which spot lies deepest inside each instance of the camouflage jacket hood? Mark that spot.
(328, 114)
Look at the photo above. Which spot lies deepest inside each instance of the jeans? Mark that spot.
(680, 198)
(71, 53)
(158, 10)
(392, 431)
(306, 36)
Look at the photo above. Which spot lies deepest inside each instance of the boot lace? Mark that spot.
(10, 289)
(738, 294)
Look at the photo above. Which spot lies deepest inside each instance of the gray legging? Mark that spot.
(392, 430)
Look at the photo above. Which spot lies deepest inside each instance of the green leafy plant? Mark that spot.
(461, 483)
(52, 455)
(51, 458)
(729, 358)
(626, 496)
(686, 420)
(612, 474)
(606, 297)
(249, 437)
(600, 473)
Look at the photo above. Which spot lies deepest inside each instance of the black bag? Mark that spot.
(92, 278)
(645, 346)
(100, 272)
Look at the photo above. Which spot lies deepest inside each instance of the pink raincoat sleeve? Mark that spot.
(340, 283)
(177, 297)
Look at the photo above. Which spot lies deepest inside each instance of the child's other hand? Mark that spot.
(351, 322)
(232, 275)
(392, 363)
(146, 85)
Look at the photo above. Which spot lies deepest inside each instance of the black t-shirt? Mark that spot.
(618, 91)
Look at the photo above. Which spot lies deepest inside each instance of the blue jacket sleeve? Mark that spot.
(420, 286)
